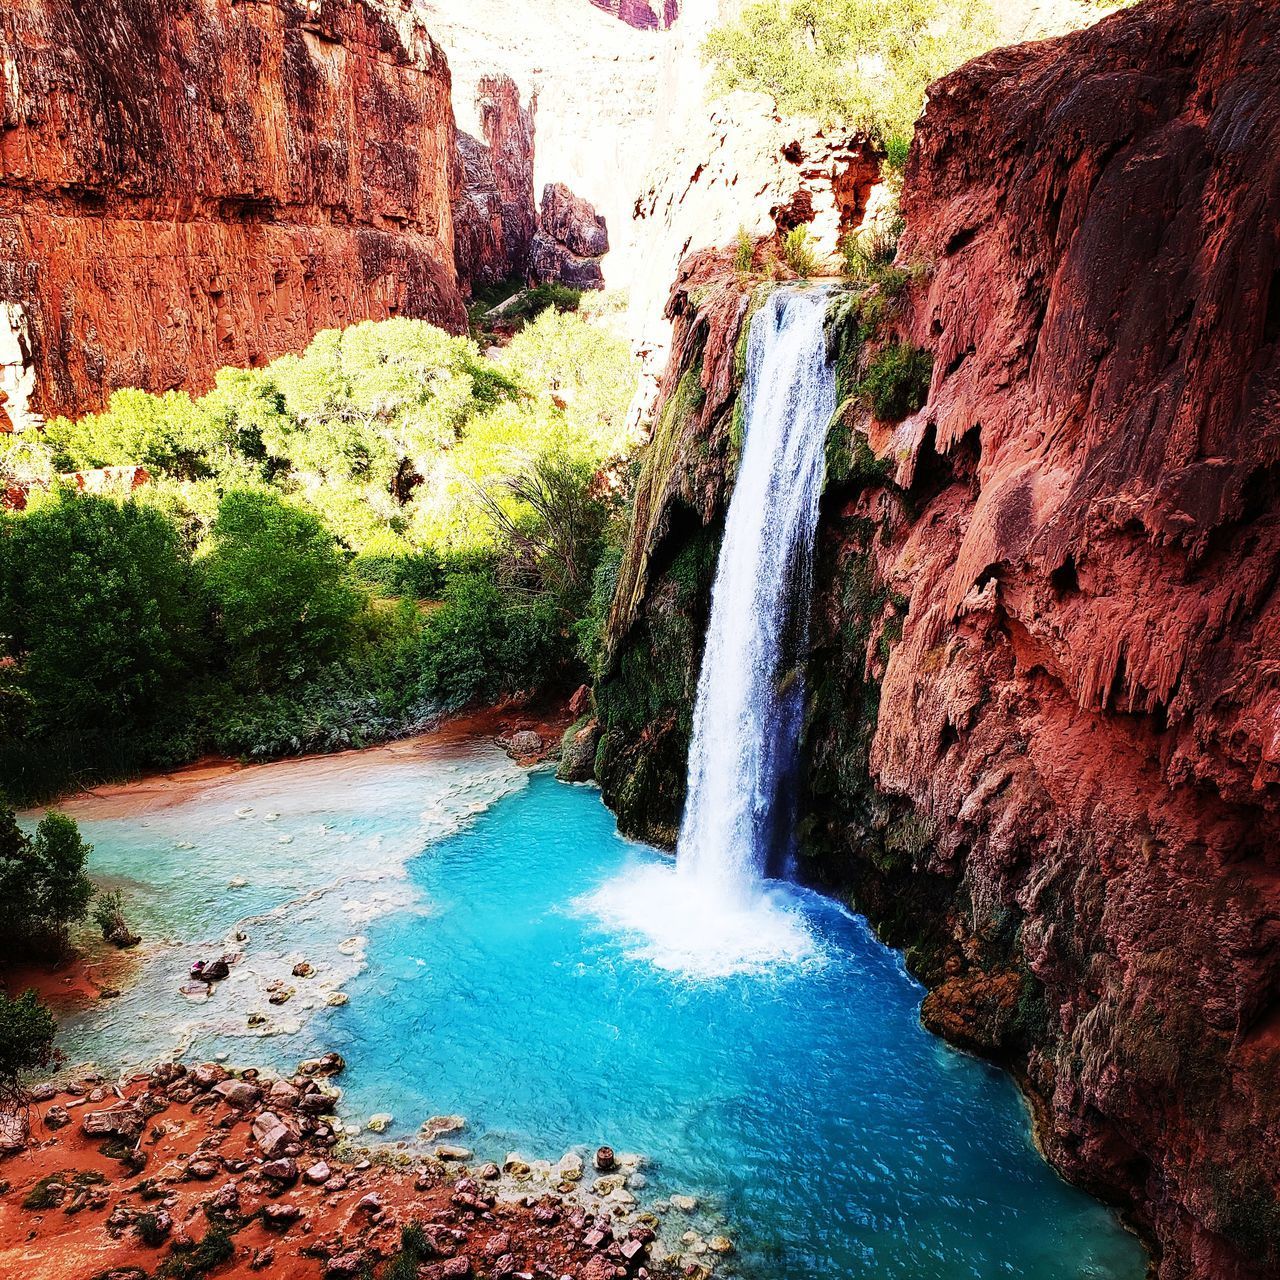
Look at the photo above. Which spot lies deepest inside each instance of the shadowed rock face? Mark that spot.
(1044, 732)
(645, 15)
(191, 185)
(493, 213)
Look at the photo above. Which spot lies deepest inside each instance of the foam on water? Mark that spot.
(684, 925)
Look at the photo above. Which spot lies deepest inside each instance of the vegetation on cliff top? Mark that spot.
(861, 63)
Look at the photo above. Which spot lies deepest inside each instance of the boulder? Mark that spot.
(14, 1131)
(328, 1064)
(125, 1120)
(239, 1094)
(280, 1217)
(272, 1135)
(284, 1170)
(578, 752)
(207, 1074)
(57, 1118)
(318, 1174)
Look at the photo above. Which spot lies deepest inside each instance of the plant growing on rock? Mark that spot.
(896, 381)
(108, 915)
(799, 253)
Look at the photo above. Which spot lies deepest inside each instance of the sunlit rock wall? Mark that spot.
(186, 184)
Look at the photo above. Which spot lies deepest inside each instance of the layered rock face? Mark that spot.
(494, 217)
(644, 15)
(1044, 712)
(202, 183)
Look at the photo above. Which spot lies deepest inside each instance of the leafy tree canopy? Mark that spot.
(862, 63)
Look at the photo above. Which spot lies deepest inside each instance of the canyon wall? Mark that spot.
(1043, 730)
(186, 184)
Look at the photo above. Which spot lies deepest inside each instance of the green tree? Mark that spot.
(280, 589)
(43, 886)
(26, 1044)
(101, 621)
(862, 63)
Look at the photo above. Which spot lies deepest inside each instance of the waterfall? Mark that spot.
(739, 812)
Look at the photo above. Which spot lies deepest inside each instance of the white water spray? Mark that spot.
(739, 815)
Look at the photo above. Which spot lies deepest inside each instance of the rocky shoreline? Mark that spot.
(185, 1172)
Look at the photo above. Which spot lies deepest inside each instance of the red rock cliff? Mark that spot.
(186, 184)
(1085, 701)
(1043, 739)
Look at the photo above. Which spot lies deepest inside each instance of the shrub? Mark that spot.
(799, 254)
(280, 589)
(26, 1044)
(43, 886)
(101, 617)
(896, 381)
(744, 254)
(194, 1261)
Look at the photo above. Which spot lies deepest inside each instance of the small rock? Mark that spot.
(238, 1093)
(202, 1170)
(570, 1167)
(606, 1161)
(283, 1094)
(596, 1268)
(686, 1204)
(438, 1126)
(318, 1174)
(284, 1170)
(336, 998)
(371, 1203)
(272, 1135)
(257, 1019)
(280, 1217)
(124, 1120)
(489, 1172)
(44, 1092)
(345, 1265)
(456, 1267)
(281, 995)
(57, 1118)
(303, 969)
(454, 1153)
(381, 1122)
(721, 1244)
(328, 1064)
(524, 744)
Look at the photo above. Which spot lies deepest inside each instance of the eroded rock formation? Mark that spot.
(494, 215)
(570, 241)
(186, 186)
(1044, 719)
(644, 15)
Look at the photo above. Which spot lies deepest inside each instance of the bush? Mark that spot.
(896, 381)
(280, 589)
(799, 254)
(26, 1045)
(101, 616)
(43, 886)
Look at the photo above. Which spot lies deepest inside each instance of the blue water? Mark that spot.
(834, 1135)
(510, 959)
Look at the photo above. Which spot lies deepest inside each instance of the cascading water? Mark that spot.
(739, 814)
(712, 915)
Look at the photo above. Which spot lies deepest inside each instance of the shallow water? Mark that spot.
(516, 977)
